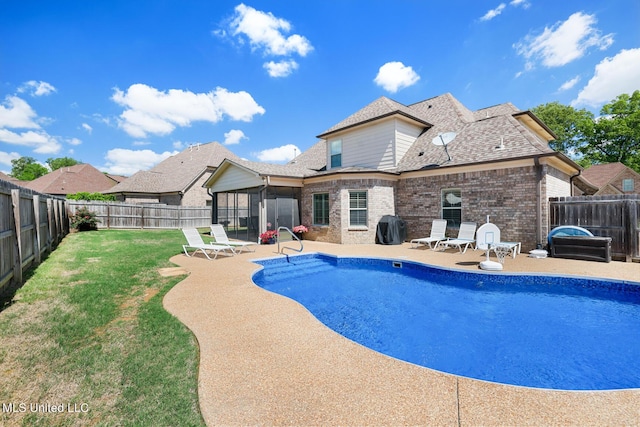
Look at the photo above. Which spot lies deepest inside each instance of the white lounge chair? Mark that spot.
(466, 237)
(194, 241)
(218, 233)
(438, 230)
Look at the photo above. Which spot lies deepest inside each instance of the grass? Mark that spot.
(88, 331)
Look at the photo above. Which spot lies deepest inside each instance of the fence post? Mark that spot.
(15, 224)
(36, 218)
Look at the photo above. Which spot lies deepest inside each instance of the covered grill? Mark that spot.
(392, 230)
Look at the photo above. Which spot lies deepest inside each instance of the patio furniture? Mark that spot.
(194, 241)
(466, 237)
(438, 230)
(218, 233)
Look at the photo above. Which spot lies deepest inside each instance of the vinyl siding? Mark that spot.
(234, 178)
(379, 146)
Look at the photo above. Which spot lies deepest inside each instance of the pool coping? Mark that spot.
(264, 359)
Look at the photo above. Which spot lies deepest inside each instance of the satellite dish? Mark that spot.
(444, 139)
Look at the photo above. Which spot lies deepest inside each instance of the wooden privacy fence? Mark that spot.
(608, 216)
(31, 225)
(127, 215)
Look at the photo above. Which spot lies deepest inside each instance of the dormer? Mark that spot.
(376, 137)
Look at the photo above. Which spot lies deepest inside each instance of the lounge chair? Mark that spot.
(438, 230)
(218, 233)
(488, 239)
(466, 237)
(194, 241)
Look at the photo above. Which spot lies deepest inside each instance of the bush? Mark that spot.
(83, 195)
(84, 220)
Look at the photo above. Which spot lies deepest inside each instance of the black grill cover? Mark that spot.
(391, 230)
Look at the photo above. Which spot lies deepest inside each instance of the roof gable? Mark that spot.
(177, 173)
(378, 109)
(601, 175)
(72, 179)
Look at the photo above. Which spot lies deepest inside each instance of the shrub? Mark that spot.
(84, 220)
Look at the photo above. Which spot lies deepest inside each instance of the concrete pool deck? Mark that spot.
(265, 360)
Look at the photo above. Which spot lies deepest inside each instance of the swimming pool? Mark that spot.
(537, 331)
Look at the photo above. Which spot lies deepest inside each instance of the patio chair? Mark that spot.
(194, 241)
(218, 233)
(466, 237)
(438, 230)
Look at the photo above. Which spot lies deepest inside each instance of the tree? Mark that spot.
(27, 169)
(61, 162)
(567, 123)
(615, 135)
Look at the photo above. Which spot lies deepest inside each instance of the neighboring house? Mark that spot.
(176, 180)
(607, 179)
(5, 177)
(389, 159)
(72, 179)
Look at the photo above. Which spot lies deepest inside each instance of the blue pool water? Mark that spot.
(536, 331)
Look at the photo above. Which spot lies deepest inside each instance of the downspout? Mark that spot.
(571, 181)
(536, 161)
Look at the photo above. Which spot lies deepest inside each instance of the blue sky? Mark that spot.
(124, 84)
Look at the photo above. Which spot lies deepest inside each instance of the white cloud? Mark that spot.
(74, 141)
(279, 154)
(87, 127)
(15, 115)
(493, 12)
(121, 161)
(612, 77)
(267, 32)
(394, 76)
(40, 141)
(564, 42)
(280, 69)
(234, 136)
(179, 145)
(150, 111)
(37, 88)
(569, 84)
(523, 3)
(5, 158)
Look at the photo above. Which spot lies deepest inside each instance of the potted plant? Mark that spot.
(84, 220)
(268, 237)
(300, 230)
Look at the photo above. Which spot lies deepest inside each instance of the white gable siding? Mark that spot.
(234, 178)
(406, 135)
(380, 145)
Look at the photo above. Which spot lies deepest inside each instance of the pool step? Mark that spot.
(298, 268)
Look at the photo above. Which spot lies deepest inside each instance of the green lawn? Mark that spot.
(88, 331)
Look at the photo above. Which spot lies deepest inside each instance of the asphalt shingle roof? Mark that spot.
(72, 179)
(178, 172)
(601, 175)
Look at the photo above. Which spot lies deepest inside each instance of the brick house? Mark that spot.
(391, 159)
(177, 180)
(607, 179)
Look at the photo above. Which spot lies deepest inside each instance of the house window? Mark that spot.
(321, 209)
(357, 208)
(452, 206)
(336, 153)
(627, 185)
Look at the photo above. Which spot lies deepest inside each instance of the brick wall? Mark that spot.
(507, 195)
(380, 201)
